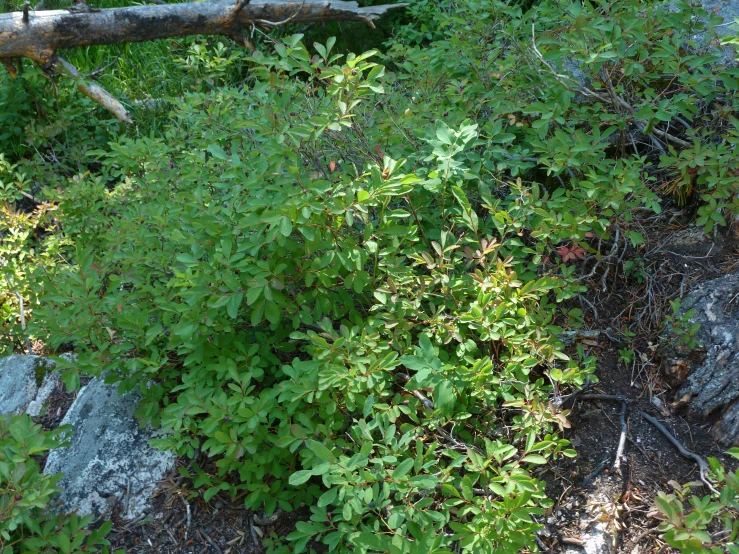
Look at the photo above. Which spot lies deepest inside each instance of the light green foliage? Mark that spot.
(26, 248)
(710, 524)
(680, 326)
(26, 526)
(569, 122)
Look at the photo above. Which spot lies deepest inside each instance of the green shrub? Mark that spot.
(711, 526)
(331, 332)
(342, 285)
(27, 522)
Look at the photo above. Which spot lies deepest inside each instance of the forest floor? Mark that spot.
(627, 305)
(587, 490)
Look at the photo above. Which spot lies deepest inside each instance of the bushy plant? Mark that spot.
(560, 89)
(342, 285)
(711, 525)
(27, 522)
(331, 332)
(27, 246)
(682, 330)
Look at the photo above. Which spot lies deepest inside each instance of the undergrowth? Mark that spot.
(342, 281)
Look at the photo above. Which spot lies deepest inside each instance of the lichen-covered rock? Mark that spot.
(19, 385)
(109, 461)
(709, 374)
(725, 11)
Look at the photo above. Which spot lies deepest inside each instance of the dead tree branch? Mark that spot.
(38, 35)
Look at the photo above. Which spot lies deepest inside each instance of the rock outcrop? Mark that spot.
(708, 375)
(109, 462)
(25, 384)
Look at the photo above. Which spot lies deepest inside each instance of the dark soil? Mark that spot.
(176, 524)
(631, 309)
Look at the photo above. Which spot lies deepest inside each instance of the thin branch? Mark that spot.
(615, 100)
(21, 307)
(92, 90)
(425, 401)
(702, 464)
(614, 397)
(94, 74)
(622, 438)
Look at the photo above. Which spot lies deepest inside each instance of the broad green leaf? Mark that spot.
(402, 469)
(445, 398)
(300, 477)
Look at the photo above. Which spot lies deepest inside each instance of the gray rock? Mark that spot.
(727, 11)
(109, 460)
(18, 381)
(42, 395)
(709, 374)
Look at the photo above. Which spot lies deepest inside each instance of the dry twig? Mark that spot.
(622, 438)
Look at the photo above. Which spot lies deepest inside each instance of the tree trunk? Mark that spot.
(37, 35)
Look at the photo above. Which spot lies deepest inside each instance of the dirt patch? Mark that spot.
(628, 306)
(176, 524)
(58, 404)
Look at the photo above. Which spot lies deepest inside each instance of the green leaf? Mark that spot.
(286, 226)
(368, 403)
(445, 398)
(321, 452)
(328, 497)
(186, 259)
(403, 469)
(467, 492)
(217, 152)
(534, 459)
(64, 544)
(371, 541)
(300, 477)
(233, 305)
(285, 441)
(210, 493)
(423, 482)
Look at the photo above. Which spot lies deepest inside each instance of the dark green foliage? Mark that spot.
(26, 525)
(342, 285)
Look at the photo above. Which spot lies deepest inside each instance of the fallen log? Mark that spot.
(38, 35)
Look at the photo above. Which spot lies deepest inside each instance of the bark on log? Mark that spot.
(37, 35)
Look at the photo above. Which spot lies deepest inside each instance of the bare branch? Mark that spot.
(92, 90)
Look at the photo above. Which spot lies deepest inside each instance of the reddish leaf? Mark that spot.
(332, 165)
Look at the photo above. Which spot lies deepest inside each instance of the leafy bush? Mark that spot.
(27, 524)
(560, 88)
(27, 246)
(681, 328)
(342, 285)
(712, 524)
(351, 337)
